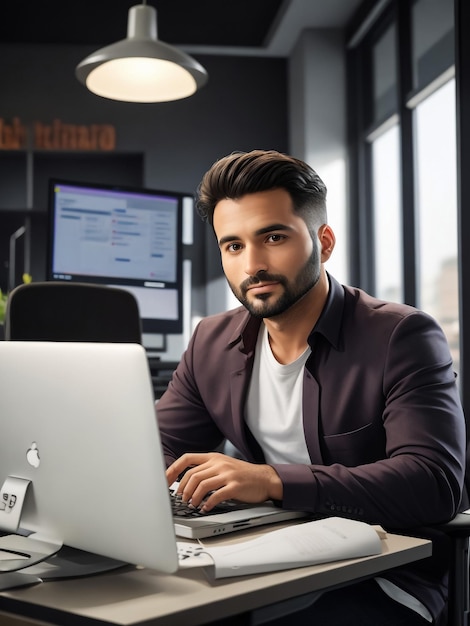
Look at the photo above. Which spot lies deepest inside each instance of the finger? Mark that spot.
(208, 487)
(198, 482)
(216, 497)
(181, 464)
(172, 472)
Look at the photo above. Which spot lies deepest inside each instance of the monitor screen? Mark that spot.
(124, 237)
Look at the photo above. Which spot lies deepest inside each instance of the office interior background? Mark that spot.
(373, 94)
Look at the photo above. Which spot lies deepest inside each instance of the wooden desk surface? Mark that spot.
(143, 597)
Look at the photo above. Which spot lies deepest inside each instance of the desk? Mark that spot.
(138, 597)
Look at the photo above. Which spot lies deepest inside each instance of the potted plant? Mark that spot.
(3, 305)
(27, 278)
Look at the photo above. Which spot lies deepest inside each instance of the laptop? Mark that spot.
(80, 424)
(227, 517)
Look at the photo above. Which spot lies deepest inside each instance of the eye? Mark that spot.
(234, 247)
(275, 238)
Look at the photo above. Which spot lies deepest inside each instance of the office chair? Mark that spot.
(66, 311)
(458, 529)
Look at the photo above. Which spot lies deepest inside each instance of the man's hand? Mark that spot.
(227, 478)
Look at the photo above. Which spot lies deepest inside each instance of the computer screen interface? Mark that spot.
(124, 237)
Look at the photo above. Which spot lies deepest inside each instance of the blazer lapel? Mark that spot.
(245, 441)
(311, 412)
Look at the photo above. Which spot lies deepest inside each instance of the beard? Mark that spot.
(294, 290)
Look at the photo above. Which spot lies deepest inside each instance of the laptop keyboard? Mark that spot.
(185, 510)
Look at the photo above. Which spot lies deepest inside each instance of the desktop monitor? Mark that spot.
(81, 461)
(124, 237)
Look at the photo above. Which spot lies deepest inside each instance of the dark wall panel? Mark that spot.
(242, 107)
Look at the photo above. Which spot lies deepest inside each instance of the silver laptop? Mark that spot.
(229, 517)
(78, 422)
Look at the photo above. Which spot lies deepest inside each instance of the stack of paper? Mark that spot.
(298, 545)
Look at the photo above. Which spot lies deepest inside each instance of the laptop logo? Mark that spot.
(32, 455)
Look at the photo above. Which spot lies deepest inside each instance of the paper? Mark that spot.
(298, 545)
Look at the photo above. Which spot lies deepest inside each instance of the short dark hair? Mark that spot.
(241, 173)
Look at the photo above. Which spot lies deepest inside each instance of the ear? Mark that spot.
(327, 241)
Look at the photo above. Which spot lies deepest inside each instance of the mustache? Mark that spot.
(261, 277)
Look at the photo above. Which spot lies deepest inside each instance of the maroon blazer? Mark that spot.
(381, 413)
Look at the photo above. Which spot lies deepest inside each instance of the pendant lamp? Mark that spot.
(141, 68)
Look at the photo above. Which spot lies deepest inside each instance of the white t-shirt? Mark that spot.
(274, 405)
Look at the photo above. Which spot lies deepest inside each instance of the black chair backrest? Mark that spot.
(63, 311)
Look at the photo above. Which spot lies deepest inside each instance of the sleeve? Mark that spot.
(184, 421)
(419, 480)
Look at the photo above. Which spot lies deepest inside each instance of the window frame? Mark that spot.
(366, 26)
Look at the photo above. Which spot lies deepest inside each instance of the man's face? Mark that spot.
(268, 255)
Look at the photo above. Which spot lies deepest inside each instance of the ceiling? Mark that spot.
(241, 27)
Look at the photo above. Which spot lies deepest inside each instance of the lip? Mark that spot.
(262, 287)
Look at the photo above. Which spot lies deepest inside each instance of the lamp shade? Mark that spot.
(141, 68)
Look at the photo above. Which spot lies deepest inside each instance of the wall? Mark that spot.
(317, 134)
(317, 124)
(243, 106)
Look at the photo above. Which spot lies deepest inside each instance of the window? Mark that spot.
(403, 159)
(436, 210)
(387, 216)
(432, 40)
(384, 75)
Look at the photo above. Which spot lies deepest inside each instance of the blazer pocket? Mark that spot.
(355, 447)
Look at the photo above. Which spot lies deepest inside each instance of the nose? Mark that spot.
(255, 261)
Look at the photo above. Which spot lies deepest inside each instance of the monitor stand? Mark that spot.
(18, 552)
(71, 563)
(35, 555)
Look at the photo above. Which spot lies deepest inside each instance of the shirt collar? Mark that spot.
(331, 318)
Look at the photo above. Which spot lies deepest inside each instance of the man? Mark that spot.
(338, 403)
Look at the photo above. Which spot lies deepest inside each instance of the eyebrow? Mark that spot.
(257, 233)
